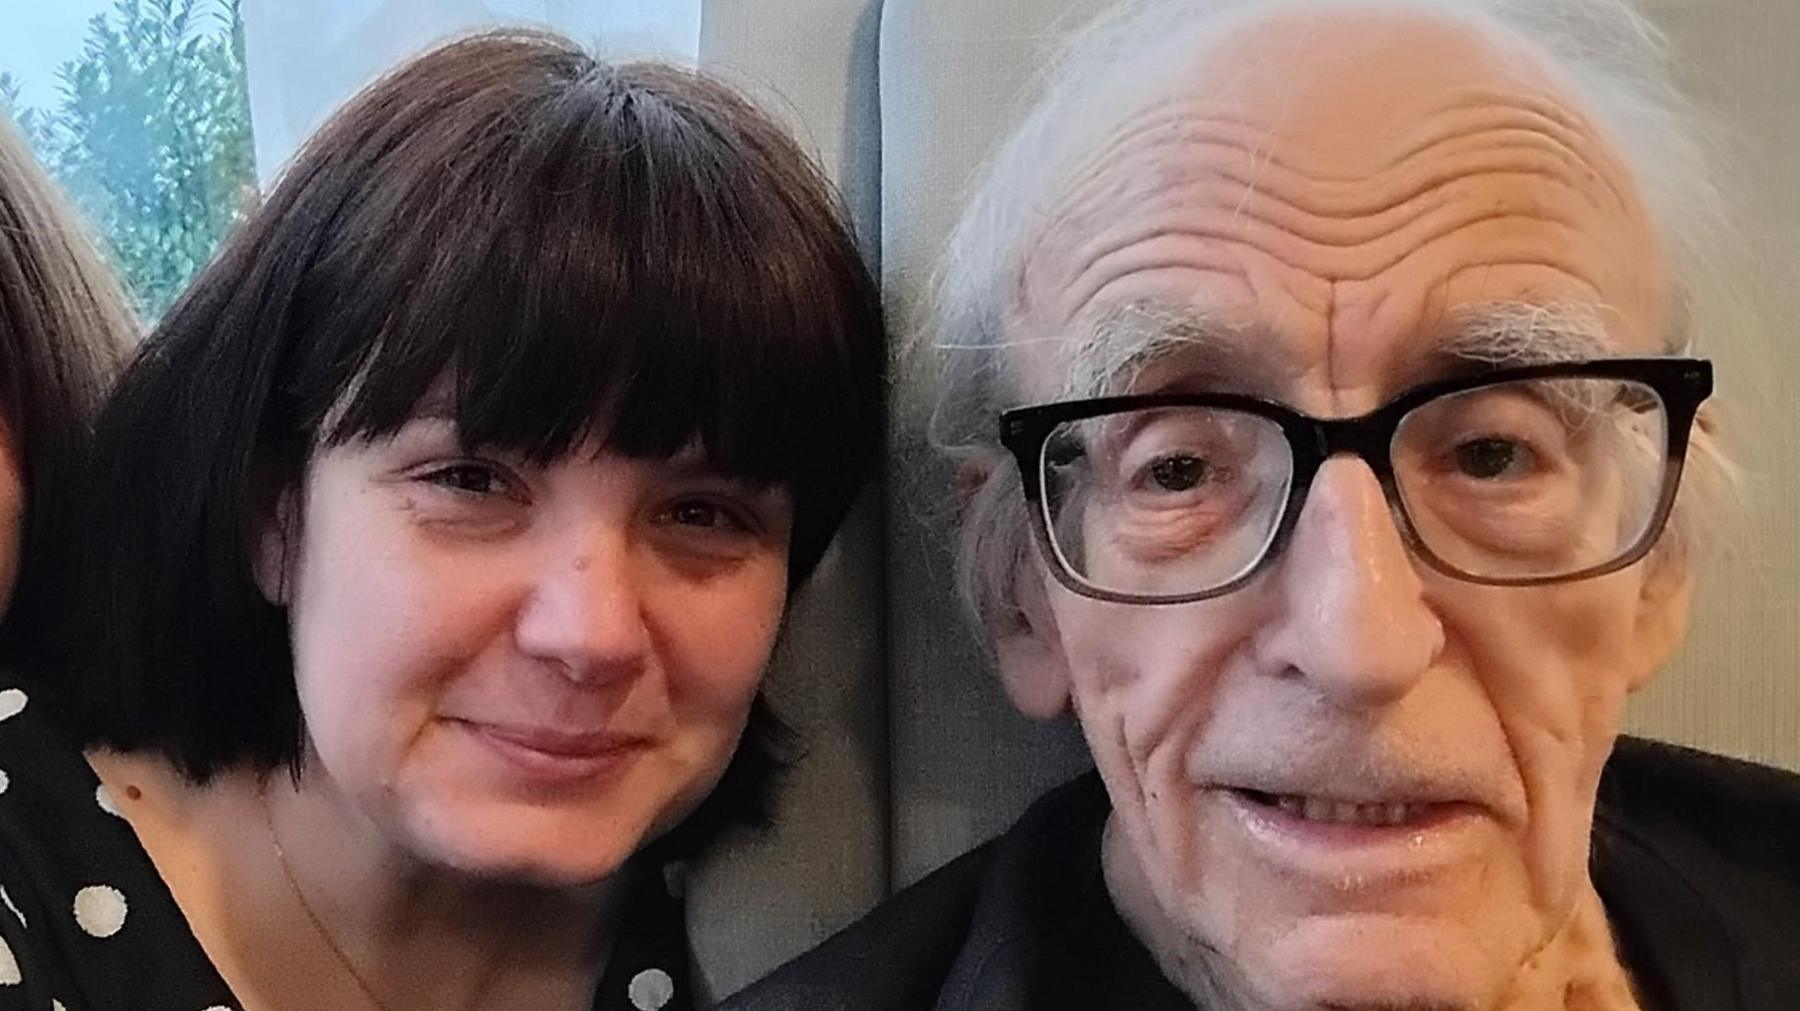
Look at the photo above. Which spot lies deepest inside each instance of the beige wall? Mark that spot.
(1736, 686)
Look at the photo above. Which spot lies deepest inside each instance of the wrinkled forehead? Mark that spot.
(1338, 189)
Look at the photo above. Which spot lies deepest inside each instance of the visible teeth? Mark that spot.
(1343, 812)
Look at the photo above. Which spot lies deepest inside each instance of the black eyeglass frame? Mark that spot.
(1681, 383)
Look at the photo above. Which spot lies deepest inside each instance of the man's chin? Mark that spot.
(1373, 962)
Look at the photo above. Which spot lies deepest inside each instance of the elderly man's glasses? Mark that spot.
(1514, 477)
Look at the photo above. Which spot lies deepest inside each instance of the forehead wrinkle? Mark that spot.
(1173, 119)
(1498, 258)
(1563, 129)
(1316, 227)
(1260, 195)
(1323, 216)
(1327, 262)
(1253, 170)
(1191, 250)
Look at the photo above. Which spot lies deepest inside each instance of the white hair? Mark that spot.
(1613, 61)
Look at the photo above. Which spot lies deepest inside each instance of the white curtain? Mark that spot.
(305, 57)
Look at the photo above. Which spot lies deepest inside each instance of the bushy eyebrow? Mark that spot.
(1504, 334)
(1231, 356)
(1225, 354)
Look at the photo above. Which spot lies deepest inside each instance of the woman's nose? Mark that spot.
(585, 609)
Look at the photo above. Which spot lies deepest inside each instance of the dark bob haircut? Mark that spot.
(63, 331)
(628, 254)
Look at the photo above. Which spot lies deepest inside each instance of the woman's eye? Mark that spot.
(1180, 472)
(704, 514)
(1491, 457)
(471, 478)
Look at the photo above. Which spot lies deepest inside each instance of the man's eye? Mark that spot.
(1179, 473)
(1490, 457)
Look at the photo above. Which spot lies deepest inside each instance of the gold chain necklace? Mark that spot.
(287, 872)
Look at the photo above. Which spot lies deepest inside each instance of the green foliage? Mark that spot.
(31, 122)
(152, 136)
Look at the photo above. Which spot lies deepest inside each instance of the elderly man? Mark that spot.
(1325, 456)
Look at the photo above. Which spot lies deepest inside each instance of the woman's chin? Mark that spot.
(533, 847)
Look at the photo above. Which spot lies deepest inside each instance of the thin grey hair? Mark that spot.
(1614, 61)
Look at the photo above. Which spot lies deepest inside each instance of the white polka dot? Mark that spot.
(104, 799)
(56, 1005)
(9, 966)
(15, 909)
(100, 909)
(12, 703)
(5, 781)
(218, 1007)
(650, 989)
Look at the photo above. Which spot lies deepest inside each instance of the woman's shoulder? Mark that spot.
(48, 792)
(85, 921)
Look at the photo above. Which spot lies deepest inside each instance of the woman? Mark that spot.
(441, 535)
(63, 325)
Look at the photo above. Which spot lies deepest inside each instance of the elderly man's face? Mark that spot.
(1340, 187)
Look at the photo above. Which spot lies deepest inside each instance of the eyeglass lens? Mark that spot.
(1524, 479)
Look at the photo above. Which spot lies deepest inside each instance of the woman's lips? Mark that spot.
(553, 753)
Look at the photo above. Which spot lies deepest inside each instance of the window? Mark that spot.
(144, 109)
(139, 108)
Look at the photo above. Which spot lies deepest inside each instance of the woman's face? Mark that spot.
(524, 671)
(12, 514)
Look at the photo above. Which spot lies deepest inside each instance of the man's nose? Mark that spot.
(1353, 618)
(585, 611)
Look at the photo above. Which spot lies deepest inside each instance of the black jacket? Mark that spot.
(1696, 857)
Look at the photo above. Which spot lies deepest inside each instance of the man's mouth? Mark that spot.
(1339, 812)
(1395, 828)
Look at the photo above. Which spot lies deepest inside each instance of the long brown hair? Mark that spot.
(64, 326)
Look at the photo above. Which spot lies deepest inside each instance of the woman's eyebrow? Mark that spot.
(708, 470)
(435, 405)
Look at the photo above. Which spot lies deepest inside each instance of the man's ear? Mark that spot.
(1664, 600)
(971, 481)
(1029, 649)
(1020, 625)
(276, 539)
